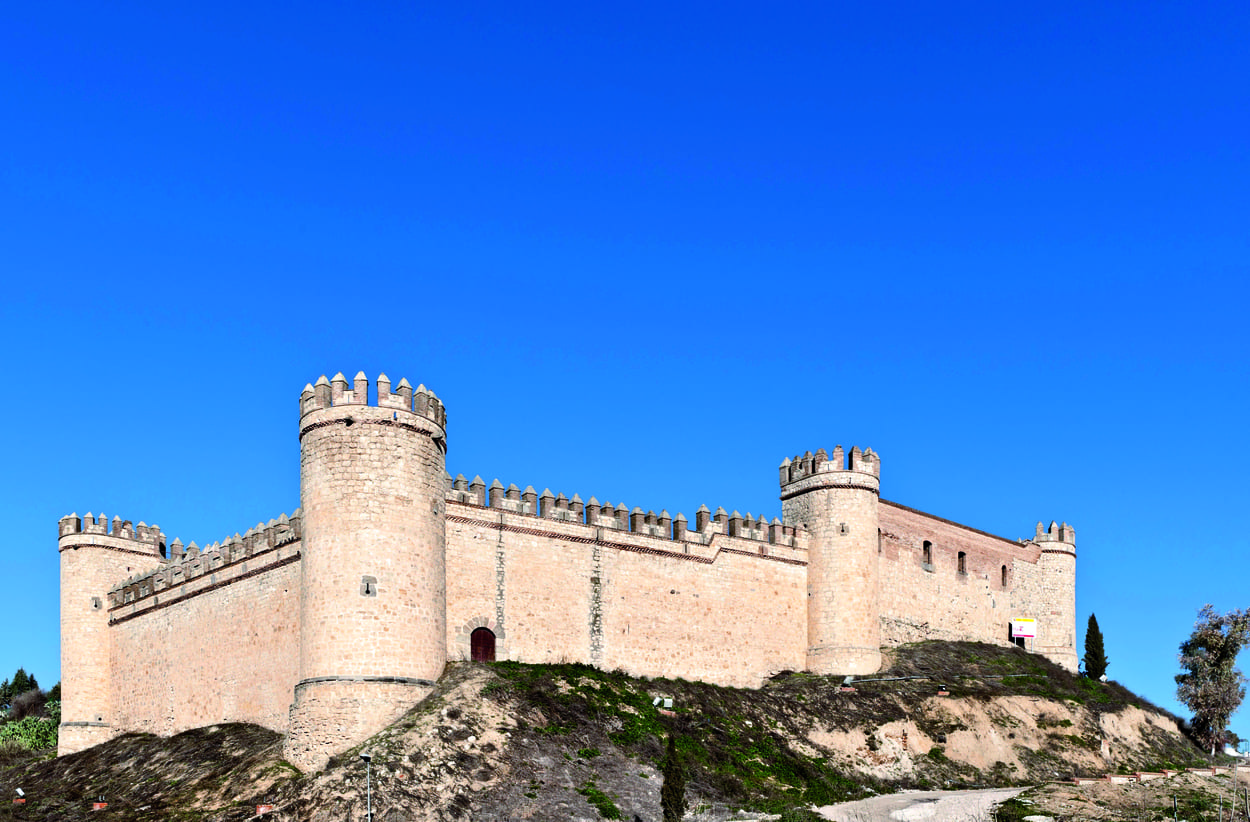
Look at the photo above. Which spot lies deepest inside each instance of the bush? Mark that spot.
(32, 733)
(28, 704)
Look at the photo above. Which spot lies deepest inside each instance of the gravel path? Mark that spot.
(921, 806)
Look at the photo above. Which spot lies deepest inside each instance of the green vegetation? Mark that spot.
(18, 685)
(600, 800)
(1013, 810)
(722, 736)
(1095, 660)
(1210, 685)
(29, 719)
(750, 748)
(570, 694)
(673, 791)
(34, 733)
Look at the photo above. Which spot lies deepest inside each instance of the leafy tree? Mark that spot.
(1095, 656)
(20, 684)
(673, 791)
(1209, 684)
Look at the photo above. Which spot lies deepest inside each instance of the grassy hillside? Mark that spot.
(508, 741)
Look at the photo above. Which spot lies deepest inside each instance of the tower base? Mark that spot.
(73, 737)
(331, 714)
(1061, 655)
(843, 659)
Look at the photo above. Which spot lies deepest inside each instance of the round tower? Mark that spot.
(94, 559)
(837, 503)
(1056, 621)
(373, 597)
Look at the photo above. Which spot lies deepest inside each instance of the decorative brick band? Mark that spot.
(620, 546)
(768, 557)
(386, 680)
(394, 423)
(1057, 551)
(833, 479)
(68, 546)
(213, 587)
(85, 725)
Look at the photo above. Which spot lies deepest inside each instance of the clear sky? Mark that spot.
(642, 253)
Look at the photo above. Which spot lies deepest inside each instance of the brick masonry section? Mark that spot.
(330, 624)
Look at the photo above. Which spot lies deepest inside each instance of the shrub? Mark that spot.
(32, 733)
(600, 800)
(28, 704)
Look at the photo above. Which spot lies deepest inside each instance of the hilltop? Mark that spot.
(513, 741)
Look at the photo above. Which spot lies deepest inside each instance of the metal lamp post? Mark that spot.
(368, 784)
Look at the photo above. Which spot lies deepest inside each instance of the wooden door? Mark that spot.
(482, 642)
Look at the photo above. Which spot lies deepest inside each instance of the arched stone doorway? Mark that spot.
(482, 645)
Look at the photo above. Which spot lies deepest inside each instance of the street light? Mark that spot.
(369, 783)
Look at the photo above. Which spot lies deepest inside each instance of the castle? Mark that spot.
(328, 624)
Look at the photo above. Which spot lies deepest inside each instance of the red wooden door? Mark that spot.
(482, 642)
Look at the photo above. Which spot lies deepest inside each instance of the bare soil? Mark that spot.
(569, 742)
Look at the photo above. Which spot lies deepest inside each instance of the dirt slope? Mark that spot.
(569, 742)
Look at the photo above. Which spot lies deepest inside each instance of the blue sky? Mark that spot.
(642, 253)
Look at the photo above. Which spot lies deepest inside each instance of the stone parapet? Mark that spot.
(195, 575)
(191, 562)
(621, 518)
(119, 534)
(335, 393)
(697, 551)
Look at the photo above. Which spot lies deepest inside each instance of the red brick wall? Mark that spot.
(940, 603)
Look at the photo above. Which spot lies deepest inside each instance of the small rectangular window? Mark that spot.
(963, 563)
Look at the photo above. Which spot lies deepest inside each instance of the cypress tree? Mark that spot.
(1095, 656)
(673, 791)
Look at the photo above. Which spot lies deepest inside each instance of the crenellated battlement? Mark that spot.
(1055, 533)
(620, 517)
(148, 536)
(809, 464)
(335, 392)
(188, 562)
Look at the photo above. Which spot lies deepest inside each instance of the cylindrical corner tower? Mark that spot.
(838, 506)
(1056, 621)
(373, 597)
(93, 560)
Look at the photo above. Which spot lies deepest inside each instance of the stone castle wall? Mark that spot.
(328, 624)
(228, 652)
(729, 610)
